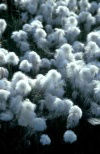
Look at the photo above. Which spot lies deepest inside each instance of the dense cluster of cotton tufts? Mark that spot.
(56, 106)
(55, 71)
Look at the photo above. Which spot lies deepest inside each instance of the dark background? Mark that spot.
(12, 141)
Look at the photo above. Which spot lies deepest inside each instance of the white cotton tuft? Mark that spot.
(18, 36)
(4, 94)
(97, 91)
(6, 116)
(2, 59)
(35, 59)
(3, 7)
(69, 136)
(75, 114)
(3, 26)
(25, 66)
(27, 114)
(24, 46)
(3, 73)
(4, 51)
(27, 28)
(39, 33)
(23, 88)
(93, 7)
(84, 5)
(12, 58)
(71, 22)
(78, 47)
(35, 24)
(45, 139)
(24, 17)
(59, 107)
(16, 104)
(64, 56)
(17, 77)
(53, 83)
(45, 63)
(5, 84)
(39, 124)
(95, 109)
(62, 11)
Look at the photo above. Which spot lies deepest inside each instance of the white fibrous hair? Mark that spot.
(3, 26)
(45, 139)
(69, 136)
(74, 116)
